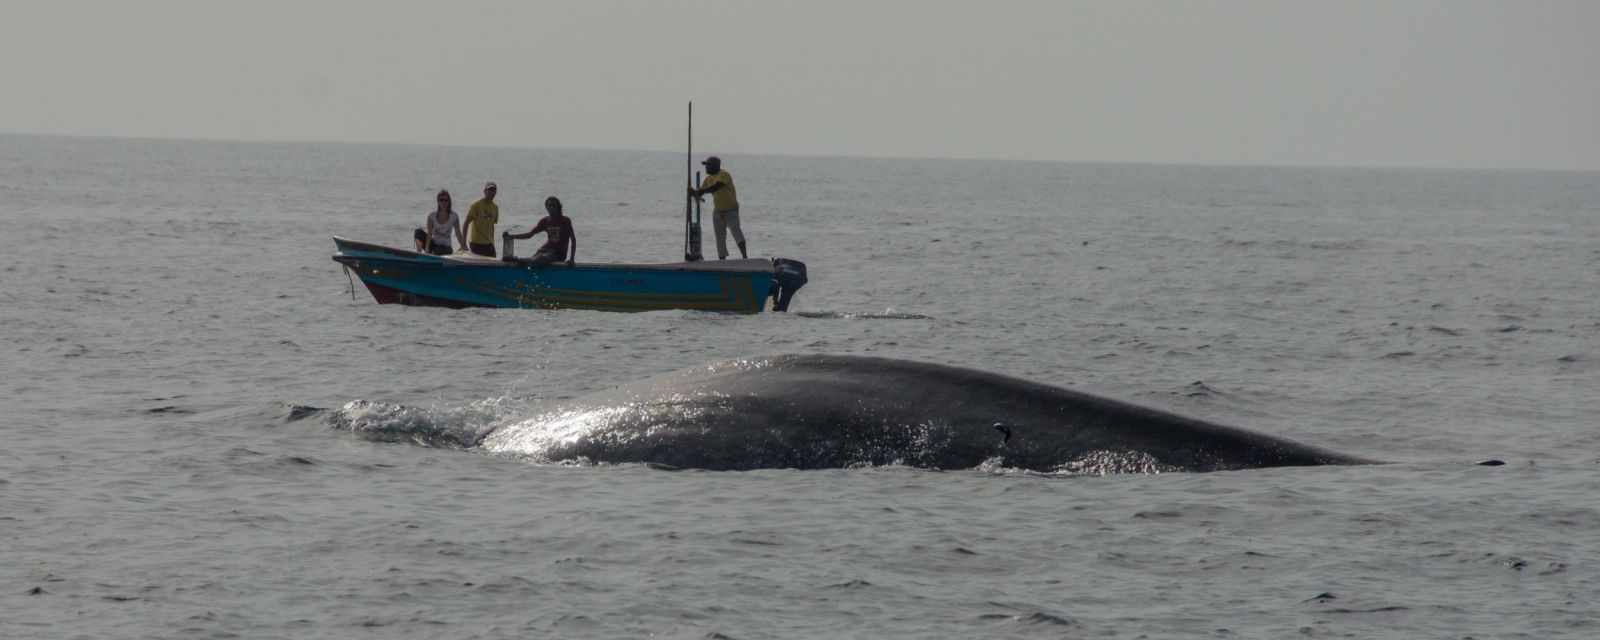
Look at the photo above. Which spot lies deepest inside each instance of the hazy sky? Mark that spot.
(1433, 83)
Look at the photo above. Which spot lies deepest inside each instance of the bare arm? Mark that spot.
(711, 189)
(524, 236)
(715, 186)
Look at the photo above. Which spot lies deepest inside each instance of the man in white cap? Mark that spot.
(724, 206)
(481, 219)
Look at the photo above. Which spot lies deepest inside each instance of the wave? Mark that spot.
(445, 428)
(1352, 244)
(839, 315)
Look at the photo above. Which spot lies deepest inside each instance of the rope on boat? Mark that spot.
(351, 279)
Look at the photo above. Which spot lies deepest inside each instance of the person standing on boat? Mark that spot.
(481, 219)
(558, 229)
(724, 206)
(439, 225)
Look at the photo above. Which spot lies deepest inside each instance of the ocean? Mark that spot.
(185, 365)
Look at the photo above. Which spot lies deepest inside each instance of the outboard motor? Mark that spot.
(787, 277)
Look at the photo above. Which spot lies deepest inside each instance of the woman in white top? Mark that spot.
(441, 223)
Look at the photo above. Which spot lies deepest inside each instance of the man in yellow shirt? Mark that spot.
(481, 219)
(724, 206)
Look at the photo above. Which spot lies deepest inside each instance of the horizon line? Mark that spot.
(470, 146)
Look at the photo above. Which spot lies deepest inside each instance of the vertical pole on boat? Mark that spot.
(696, 234)
(688, 200)
(691, 222)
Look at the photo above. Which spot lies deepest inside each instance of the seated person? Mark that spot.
(559, 230)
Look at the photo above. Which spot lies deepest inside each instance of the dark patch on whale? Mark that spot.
(812, 411)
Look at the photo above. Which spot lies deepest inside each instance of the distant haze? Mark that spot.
(1338, 82)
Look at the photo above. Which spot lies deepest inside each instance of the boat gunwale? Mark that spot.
(380, 252)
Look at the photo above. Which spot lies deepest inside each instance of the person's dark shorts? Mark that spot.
(439, 249)
(482, 249)
(549, 255)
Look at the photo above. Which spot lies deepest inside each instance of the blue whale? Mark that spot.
(819, 411)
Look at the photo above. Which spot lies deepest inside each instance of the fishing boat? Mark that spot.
(397, 276)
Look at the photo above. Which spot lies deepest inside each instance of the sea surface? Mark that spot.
(183, 362)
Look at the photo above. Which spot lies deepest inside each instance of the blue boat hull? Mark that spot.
(395, 276)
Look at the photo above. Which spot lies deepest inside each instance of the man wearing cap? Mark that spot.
(724, 206)
(481, 219)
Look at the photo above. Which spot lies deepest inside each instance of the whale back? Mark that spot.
(811, 411)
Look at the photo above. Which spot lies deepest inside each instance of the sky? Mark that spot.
(1452, 83)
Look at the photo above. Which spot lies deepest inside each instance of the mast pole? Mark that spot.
(688, 202)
